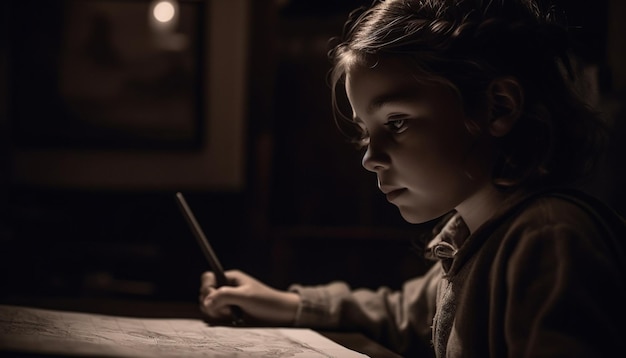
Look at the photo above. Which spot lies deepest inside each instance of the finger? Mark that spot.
(207, 280)
(227, 296)
(215, 308)
(236, 277)
(206, 304)
(204, 293)
(233, 277)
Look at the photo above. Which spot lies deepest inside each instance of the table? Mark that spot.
(151, 309)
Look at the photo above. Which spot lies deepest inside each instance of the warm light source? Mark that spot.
(164, 11)
(164, 16)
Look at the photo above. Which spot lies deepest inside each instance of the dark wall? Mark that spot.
(93, 239)
(301, 177)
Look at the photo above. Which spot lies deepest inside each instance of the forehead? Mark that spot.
(387, 80)
(393, 70)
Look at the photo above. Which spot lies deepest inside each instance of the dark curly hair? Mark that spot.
(465, 45)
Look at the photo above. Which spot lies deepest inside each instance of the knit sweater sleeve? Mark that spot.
(400, 319)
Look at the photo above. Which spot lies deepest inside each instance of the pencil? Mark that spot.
(209, 254)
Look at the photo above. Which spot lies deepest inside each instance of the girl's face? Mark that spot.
(426, 160)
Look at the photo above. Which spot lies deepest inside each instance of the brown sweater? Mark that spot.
(542, 278)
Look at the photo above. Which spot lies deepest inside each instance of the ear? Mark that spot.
(505, 101)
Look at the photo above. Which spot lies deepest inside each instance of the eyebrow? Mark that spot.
(402, 94)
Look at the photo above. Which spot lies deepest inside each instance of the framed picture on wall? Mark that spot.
(107, 74)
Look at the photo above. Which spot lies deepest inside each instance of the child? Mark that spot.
(467, 113)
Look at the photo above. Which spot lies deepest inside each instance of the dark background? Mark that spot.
(306, 213)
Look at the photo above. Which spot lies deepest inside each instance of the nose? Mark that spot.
(375, 160)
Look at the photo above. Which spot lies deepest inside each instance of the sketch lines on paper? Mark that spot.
(60, 332)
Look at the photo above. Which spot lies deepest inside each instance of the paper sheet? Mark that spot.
(26, 329)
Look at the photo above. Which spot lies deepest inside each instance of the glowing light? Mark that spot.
(164, 11)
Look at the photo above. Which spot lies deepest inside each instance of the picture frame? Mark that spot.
(104, 74)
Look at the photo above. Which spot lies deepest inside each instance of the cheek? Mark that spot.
(440, 160)
(448, 146)
(459, 140)
(432, 163)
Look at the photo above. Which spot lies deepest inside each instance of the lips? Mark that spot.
(391, 195)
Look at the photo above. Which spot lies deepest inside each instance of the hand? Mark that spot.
(260, 303)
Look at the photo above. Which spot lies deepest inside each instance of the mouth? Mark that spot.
(391, 195)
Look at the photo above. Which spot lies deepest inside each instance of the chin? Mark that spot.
(413, 216)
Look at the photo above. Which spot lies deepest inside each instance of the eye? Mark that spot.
(396, 125)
